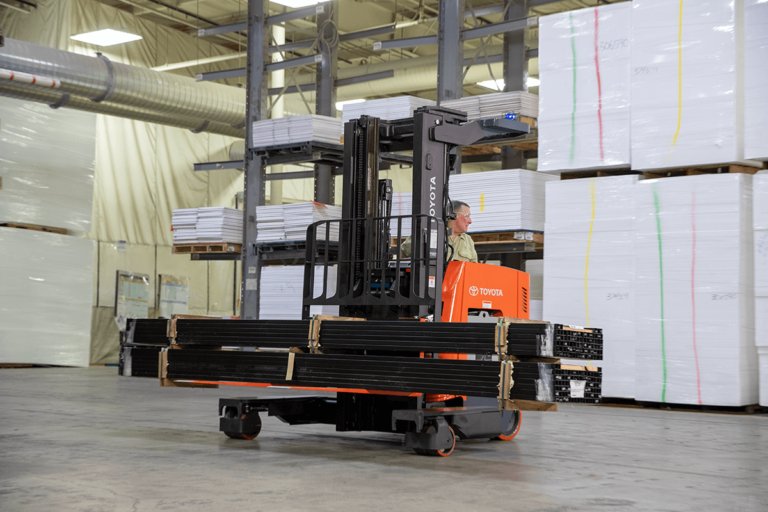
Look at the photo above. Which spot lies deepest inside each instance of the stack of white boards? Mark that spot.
(296, 129)
(289, 222)
(584, 58)
(206, 225)
(282, 292)
(756, 79)
(760, 222)
(589, 268)
(398, 107)
(46, 293)
(46, 165)
(535, 270)
(496, 104)
(695, 291)
(505, 200)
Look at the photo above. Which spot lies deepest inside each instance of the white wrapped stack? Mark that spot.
(289, 222)
(756, 79)
(46, 165)
(506, 200)
(496, 104)
(282, 291)
(695, 291)
(687, 96)
(535, 269)
(208, 224)
(294, 129)
(585, 92)
(398, 107)
(46, 297)
(589, 268)
(760, 220)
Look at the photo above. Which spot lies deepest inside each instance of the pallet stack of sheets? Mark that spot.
(755, 79)
(496, 104)
(506, 200)
(289, 222)
(760, 222)
(46, 293)
(296, 129)
(207, 225)
(282, 292)
(585, 89)
(589, 268)
(398, 107)
(695, 291)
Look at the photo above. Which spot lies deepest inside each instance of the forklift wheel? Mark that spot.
(516, 430)
(445, 452)
(255, 424)
(244, 437)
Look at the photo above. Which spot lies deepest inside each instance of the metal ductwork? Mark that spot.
(97, 84)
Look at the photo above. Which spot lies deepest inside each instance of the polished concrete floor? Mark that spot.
(87, 440)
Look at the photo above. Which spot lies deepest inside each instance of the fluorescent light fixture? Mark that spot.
(498, 85)
(298, 3)
(106, 37)
(340, 104)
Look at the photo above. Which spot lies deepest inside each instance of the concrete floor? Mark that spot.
(85, 439)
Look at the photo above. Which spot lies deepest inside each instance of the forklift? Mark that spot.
(376, 280)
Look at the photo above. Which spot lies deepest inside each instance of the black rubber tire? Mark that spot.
(446, 452)
(508, 436)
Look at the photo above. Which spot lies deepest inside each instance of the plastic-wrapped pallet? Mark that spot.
(756, 79)
(585, 89)
(282, 292)
(46, 165)
(687, 96)
(46, 293)
(760, 222)
(296, 129)
(589, 268)
(695, 291)
(506, 200)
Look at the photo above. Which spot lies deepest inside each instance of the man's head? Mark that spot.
(463, 218)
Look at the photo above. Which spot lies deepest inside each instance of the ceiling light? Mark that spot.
(106, 37)
(498, 85)
(298, 3)
(340, 104)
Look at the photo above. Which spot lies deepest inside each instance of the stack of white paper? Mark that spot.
(589, 268)
(584, 58)
(756, 79)
(398, 107)
(695, 291)
(687, 95)
(496, 104)
(46, 297)
(506, 200)
(282, 292)
(208, 224)
(760, 221)
(290, 221)
(46, 165)
(293, 129)
(535, 269)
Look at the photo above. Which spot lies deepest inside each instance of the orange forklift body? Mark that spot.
(486, 289)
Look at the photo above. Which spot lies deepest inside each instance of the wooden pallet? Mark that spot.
(209, 248)
(695, 171)
(626, 402)
(35, 227)
(507, 237)
(602, 173)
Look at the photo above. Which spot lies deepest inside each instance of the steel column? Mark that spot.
(449, 72)
(256, 107)
(515, 70)
(325, 95)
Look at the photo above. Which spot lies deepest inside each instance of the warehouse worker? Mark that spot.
(462, 248)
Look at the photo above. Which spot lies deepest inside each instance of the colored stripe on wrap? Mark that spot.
(599, 83)
(659, 241)
(679, 74)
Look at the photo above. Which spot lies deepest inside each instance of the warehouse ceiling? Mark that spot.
(414, 18)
